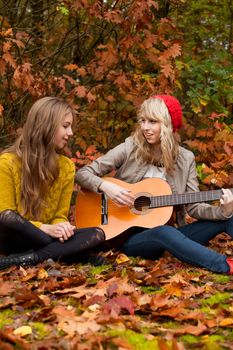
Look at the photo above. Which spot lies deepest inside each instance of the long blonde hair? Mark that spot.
(156, 109)
(36, 150)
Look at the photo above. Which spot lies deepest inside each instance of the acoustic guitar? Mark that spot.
(153, 206)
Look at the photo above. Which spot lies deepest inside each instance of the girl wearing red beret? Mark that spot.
(153, 152)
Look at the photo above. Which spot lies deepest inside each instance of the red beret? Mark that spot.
(174, 108)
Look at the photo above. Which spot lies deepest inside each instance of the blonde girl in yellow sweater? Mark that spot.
(36, 184)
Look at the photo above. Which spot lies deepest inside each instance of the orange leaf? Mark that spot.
(81, 91)
(162, 344)
(167, 69)
(6, 288)
(71, 66)
(19, 43)
(2, 66)
(113, 16)
(226, 322)
(228, 148)
(190, 329)
(1, 109)
(82, 71)
(90, 150)
(6, 46)
(8, 32)
(9, 59)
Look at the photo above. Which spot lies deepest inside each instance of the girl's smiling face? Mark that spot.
(64, 131)
(151, 129)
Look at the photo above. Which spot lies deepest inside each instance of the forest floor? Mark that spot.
(126, 304)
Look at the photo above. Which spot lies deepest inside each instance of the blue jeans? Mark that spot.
(186, 243)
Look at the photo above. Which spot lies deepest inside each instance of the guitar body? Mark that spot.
(93, 210)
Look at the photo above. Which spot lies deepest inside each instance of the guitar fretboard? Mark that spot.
(186, 198)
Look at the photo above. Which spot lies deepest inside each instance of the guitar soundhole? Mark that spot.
(142, 203)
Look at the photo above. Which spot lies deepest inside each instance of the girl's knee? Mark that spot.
(164, 230)
(230, 221)
(100, 234)
(7, 215)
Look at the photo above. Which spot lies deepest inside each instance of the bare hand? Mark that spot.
(62, 230)
(226, 202)
(119, 195)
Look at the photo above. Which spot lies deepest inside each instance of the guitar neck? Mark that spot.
(185, 198)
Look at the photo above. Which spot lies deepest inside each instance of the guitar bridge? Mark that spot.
(104, 209)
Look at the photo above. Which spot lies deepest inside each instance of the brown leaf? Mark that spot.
(26, 297)
(2, 66)
(9, 59)
(80, 91)
(162, 345)
(116, 305)
(78, 325)
(70, 323)
(197, 330)
(6, 288)
(121, 343)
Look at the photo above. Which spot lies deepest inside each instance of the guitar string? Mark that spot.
(184, 198)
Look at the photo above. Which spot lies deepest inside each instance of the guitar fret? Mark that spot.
(185, 198)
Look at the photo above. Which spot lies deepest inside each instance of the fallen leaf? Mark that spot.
(22, 331)
(6, 288)
(42, 274)
(122, 258)
(226, 322)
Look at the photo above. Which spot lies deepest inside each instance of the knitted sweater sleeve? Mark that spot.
(7, 185)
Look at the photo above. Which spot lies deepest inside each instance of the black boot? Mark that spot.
(93, 259)
(96, 260)
(23, 259)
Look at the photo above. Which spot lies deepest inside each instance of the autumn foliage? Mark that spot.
(105, 58)
(131, 304)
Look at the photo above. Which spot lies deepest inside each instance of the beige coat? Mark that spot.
(122, 159)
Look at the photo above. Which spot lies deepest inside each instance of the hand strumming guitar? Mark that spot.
(119, 195)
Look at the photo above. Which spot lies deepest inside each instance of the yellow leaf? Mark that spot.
(196, 109)
(122, 258)
(42, 274)
(178, 84)
(203, 102)
(226, 322)
(24, 330)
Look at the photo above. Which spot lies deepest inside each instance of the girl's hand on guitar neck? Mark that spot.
(226, 202)
(119, 195)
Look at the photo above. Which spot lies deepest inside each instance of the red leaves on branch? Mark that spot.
(111, 63)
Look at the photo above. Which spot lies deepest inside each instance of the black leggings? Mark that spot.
(18, 235)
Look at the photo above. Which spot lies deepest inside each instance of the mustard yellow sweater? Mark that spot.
(58, 196)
